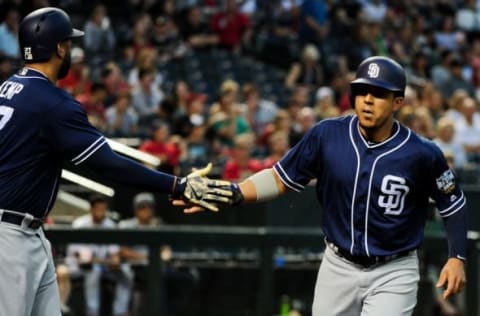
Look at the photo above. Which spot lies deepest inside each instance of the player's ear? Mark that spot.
(398, 103)
(61, 50)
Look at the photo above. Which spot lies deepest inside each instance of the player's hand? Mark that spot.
(201, 192)
(452, 277)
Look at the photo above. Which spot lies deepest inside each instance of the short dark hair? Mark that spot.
(97, 198)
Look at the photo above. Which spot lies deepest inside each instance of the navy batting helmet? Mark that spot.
(382, 72)
(41, 31)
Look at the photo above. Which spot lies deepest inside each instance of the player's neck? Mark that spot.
(46, 69)
(378, 134)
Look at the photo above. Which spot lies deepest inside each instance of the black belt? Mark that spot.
(367, 261)
(17, 219)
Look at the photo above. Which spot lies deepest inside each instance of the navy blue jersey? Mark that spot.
(374, 196)
(40, 126)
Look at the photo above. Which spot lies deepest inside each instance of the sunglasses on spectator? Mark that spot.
(377, 92)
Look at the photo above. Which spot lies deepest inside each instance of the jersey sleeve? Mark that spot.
(301, 163)
(450, 202)
(71, 134)
(446, 193)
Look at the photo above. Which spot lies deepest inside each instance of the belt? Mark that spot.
(367, 261)
(17, 219)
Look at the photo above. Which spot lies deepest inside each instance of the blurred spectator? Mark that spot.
(364, 44)
(141, 36)
(467, 18)
(194, 115)
(231, 26)
(299, 99)
(374, 10)
(277, 32)
(440, 72)
(313, 21)
(455, 104)
(136, 257)
(77, 80)
(181, 97)
(225, 119)
(341, 86)
(163, 113)
(283, 122)
(95, 262)
(475, 66)
(304, 120)
(9, 46)
(146, 97)
(401, 48)
(278, 145)
(99, 39)
(447, 37)
(177, 283)
(308, 71)
(258, 111)
(94, 105)
(241, 165)
(164, 147)
(325, 106)
(167, 40)
(6, 68)
(418, 73)
(196, 31)
(197, 151)
(456, 80)
(446, 141)
(121, 118)
(434, 101)
(146, 60)
(468, 130)
(113, 81)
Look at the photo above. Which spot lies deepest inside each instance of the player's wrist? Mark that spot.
(237, 197)
(179, 186)
(460, 258)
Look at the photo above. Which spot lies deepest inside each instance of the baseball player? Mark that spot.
(374, 180)
(41, 126)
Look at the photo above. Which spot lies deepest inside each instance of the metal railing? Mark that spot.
(265, 239)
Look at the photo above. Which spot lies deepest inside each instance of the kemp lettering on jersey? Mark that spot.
(374, 196)
(40, 126)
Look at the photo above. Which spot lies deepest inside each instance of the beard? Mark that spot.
(64, 67)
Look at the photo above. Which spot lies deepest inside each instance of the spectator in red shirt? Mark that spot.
(77, 80)
(94, 104)
(278, 145)
(231, 26)
(163, 146)
(241, 165)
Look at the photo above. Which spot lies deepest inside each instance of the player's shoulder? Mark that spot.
(424, 145)
(43, 91)
(335, 124)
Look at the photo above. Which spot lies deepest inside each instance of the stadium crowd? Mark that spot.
(239, 82)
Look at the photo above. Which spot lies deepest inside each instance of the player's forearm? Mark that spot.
(125, 171)
(264, 185)
(456, 228)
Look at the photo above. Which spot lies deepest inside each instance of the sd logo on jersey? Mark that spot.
(446, 182)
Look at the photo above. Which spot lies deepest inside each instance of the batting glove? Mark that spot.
(199, 190)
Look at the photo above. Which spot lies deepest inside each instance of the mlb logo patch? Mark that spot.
(446, 182)
(27, 53)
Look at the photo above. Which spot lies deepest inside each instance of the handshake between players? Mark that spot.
(200, 192)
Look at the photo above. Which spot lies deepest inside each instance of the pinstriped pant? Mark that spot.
(344, 289)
